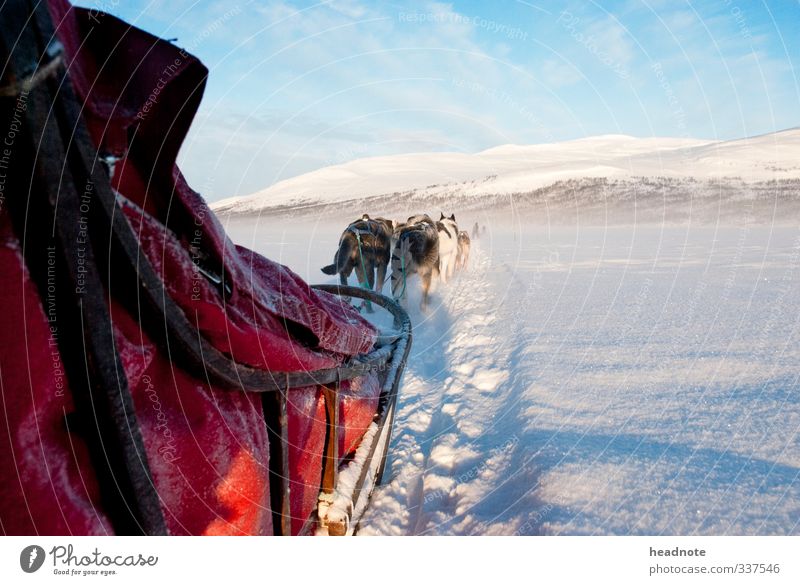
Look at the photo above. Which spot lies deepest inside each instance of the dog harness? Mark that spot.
(358, 232)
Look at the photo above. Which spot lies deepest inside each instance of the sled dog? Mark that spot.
(463, 250)
(416, 251)
(366, 247)
(448, 246)
(420, 218)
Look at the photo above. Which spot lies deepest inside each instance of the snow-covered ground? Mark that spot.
(592, 380)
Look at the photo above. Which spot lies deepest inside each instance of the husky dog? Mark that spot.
(413, 220)
(366, 246)
(415, 252)
(448, 245)
(463, 250)
(389, 224)
(420, 218)
(398, 226)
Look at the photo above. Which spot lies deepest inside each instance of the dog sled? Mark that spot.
(156, 378)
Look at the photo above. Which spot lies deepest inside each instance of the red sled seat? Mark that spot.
(206, 453)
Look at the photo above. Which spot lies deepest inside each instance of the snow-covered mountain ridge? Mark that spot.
(598, 165)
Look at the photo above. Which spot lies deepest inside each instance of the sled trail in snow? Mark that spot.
(455, 463)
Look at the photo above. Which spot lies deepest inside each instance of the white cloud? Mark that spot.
(559, 73)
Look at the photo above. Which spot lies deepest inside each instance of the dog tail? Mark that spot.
(340, 259)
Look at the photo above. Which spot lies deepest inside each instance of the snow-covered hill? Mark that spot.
(678, 166)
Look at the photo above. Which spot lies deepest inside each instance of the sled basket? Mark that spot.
(119, 335)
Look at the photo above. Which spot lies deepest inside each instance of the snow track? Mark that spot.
(594, 380)
(455, 468)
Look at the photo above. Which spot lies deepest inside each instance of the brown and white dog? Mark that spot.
(463, 250)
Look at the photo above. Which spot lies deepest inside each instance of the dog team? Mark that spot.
(430, 249)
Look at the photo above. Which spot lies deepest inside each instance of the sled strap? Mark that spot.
(54, 220)
(276, 418)
(331, 462)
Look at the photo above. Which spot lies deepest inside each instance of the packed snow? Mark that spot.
(578, 379)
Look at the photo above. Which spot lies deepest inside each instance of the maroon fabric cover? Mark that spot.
(48, 486)
(207, 447)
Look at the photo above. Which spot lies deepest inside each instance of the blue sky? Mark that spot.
(295, 86)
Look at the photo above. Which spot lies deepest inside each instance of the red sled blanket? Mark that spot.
(206, 447)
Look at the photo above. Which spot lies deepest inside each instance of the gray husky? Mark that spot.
(416, 251)
(364, 246)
